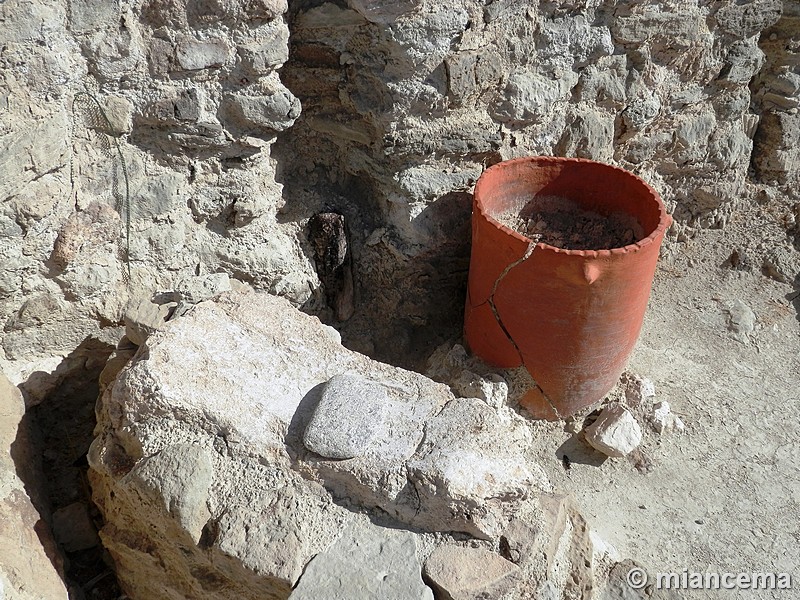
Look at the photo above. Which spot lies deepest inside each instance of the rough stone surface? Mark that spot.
(143, 318)
(615, 432)
(199, 463)
(459, 573)
(345, 422)
(30, 568)
(362, 566)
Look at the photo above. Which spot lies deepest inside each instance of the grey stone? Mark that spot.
(362, 567)
(193, 290)
(459, 573)
(571, 42)
(527, 96)
(142, 318)
(89, 16)
(157, 196)
(178, 480)
(741, 320)
(194, 55)
(73, 527)
(744, 60)
(641, 111)
(119, 112)
(692, 133)
(747, 19)
(268, 48)
(682, 28)
(265, 9)
(275, 110)
(470, 73)
(590, 135)
(350, 413)
(615, 432)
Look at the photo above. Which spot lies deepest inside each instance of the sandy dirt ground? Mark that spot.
(724, 496)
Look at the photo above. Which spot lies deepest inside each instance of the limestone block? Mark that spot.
(615, 432)
(142, 318)
(275, 109)
(194, 55)
(193, 290)
(641, 110)
(528, 96)
(744, 60)
(156, 196)
(747, 19)
(363, 565)
(264, 9)
(383, 11)
(462, 468)
(266, 48)
(591, 135)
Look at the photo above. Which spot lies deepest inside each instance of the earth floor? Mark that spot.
(724, 496)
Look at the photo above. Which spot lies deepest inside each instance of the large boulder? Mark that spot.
(242, 441)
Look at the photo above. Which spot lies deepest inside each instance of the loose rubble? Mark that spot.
(615, 432)
(664, 421)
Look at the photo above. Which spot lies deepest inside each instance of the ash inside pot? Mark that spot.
(562, 223)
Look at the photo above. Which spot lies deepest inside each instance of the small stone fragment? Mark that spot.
(193, 55)
(349, 414)
(615, 433)
(492, 389)
(638, 389)
(197, 289)
(459, 573)
(664, 421)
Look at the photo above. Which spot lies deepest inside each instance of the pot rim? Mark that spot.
(664, 220)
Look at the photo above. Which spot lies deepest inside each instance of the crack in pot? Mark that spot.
(496, 313)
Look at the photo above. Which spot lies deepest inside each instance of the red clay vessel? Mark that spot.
(571, 317)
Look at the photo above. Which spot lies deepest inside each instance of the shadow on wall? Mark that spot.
(50, 459)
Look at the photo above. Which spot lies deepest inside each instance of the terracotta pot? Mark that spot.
(571, 317)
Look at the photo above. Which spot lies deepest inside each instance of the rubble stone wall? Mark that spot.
(384, 111)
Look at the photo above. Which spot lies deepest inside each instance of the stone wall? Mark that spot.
(168, 107)
(388, 114)
(405, 103)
